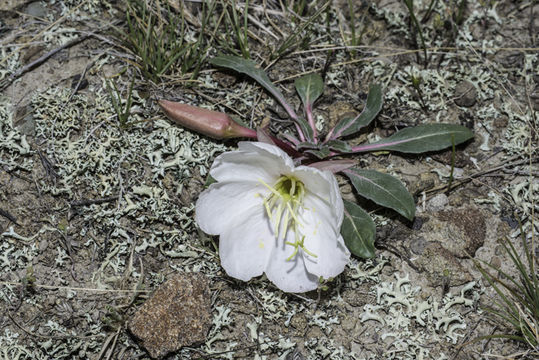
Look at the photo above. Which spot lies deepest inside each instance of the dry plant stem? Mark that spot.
(71, 288)
(8, 216)
(40, 61)
(217, 102)
(86, 202)
(433, 51)
(273, 25)
(112, 337)
(257, 23)
(29, 42)
(10, 315)
(507, 163)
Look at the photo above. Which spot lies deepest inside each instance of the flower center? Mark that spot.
(282, 206)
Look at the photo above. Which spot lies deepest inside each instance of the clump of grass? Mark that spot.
(122, 109)
(236, 29)
(518, 296)
(356, 33)
(417, 26)
(300, 37)
(157, 38)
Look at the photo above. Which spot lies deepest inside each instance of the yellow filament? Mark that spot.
(282, 205)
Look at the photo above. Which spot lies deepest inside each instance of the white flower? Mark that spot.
(274, 218)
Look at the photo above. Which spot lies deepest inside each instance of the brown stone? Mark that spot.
(461, 231)
(178, 314)
(467, 225)
(440, 266)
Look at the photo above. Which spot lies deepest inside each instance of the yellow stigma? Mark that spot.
(282, 205)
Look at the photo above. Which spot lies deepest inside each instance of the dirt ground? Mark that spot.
(94, 217)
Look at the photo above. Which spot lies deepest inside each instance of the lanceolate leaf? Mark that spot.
(383, 189)
(309, 88)
(248, 67)
(422, 138)
(306, 130)
(307, 145)
(339, 145)
(350, 126)
(321, 153)
(358, 230)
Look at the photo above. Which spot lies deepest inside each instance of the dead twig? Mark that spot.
(502, 167)
(48, 166)
(111, 338)
(54, 337)
(86, 202)
(8, 216)
(34, 64)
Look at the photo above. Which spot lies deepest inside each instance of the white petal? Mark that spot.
(263, 148)
(289, 275)
(246, 246)
(223, 203)
(253, 161)
(324, 185)
(323, 239)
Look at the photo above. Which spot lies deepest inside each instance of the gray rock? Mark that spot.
(25, 121)
(465, 94)
(178, 314)
(418, 245)
(36, 9)
(437, 203)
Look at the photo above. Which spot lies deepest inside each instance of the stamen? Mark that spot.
(293, 187)
(278, 216)
(299, 244)
(268, 208)
(292, 212)
(270, 188)
(282, 206)
(285, 223)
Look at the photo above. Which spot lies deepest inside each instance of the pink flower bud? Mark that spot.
(214, 124)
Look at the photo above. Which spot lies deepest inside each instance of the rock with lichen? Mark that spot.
(178, 314)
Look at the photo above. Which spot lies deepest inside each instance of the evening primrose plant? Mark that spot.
(275, 202)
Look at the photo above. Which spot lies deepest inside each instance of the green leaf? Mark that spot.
(358, 230)
(306, 129)
(321, 153)
(373, 106)
(309, 88)
(307, 145)
(248, 67)
(339, 145)
(383, 189)
(422, 138)
(209, 180)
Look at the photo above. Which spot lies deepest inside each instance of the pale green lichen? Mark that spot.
(399, 305)
(15, 152)
(221, 320)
